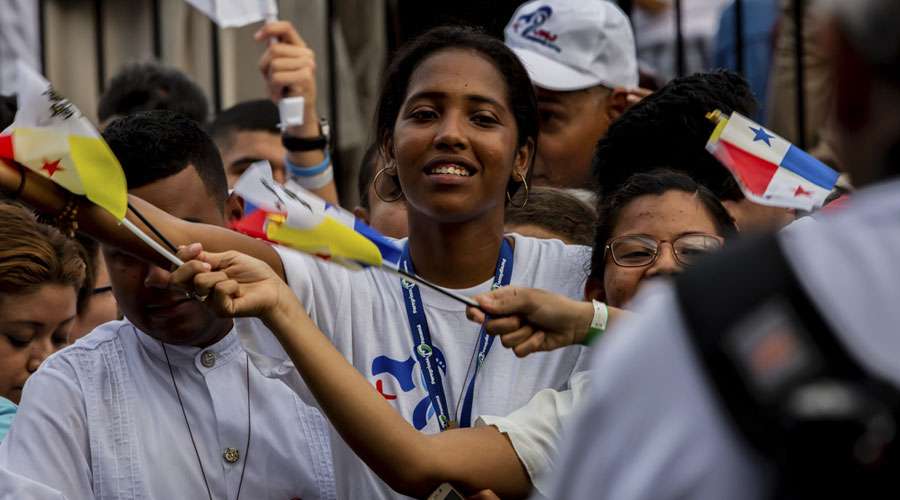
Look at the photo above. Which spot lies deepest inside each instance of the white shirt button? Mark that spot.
(231, 455)
(208, 359)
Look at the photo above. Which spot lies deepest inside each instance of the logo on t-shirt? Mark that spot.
(529, 27)
(403, 387)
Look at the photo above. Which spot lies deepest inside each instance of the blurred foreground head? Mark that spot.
(864, 41)
(151, 86)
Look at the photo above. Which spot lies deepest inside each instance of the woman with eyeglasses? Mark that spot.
(654, 226)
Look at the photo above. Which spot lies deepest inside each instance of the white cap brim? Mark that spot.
(552, 75)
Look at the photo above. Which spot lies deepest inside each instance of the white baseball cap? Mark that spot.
(574, 44)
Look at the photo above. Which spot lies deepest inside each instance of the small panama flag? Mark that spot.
(770, 170)
(51, 137)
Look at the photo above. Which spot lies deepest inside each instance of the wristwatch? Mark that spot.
(300, 144)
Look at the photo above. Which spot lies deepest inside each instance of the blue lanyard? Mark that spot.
(424, 349)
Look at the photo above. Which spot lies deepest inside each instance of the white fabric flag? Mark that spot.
(237, 13)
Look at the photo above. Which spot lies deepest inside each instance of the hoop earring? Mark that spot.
(524, 203)
(375, 187)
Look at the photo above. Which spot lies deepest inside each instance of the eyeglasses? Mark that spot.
(640, 250)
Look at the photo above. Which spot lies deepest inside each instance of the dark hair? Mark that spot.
(656, 182)
(257, 115)
(669, 127)
(366, 174)
(34, 254)
(152, 86)
(154, 145)
(8, 109)
(90, 254)
(555, 210)
(523, 102)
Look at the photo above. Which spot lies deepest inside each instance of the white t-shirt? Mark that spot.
(535, 428)
(363, 313)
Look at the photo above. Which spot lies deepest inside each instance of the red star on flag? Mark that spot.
(802, 192)
(51, 167)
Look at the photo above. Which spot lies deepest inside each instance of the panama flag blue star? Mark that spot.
(762, 135)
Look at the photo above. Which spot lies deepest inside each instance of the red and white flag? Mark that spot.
(770, 170)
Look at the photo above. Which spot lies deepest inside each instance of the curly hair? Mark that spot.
(669, 127)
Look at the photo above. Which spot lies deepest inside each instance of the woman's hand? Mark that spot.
(531, 320)
(231, 283)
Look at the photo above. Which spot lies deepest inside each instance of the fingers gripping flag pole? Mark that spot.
(302, 221)
(770, 170)
(51, 137)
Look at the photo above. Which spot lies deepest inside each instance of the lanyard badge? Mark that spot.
(424, 349)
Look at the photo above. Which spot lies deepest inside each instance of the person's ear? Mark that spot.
(620, 99)
(616, 103)
(593, 289)
(361, 214)
(234, 208)
(524, 156)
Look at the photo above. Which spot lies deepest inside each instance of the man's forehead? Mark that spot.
(182, 195)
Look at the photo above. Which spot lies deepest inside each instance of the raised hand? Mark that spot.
(287, 65)
(531, 320)
(233, 284)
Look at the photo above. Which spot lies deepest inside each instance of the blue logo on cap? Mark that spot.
(529, 27)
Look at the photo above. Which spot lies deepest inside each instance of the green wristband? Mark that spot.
(598, 323)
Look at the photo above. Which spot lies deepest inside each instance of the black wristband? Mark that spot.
(300, 144)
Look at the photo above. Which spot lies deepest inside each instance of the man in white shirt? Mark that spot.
(654, 426)
(166, 404)
(580, 55)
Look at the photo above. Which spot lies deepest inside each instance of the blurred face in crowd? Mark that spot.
(865, 104)
(388, 218)
(675, 221)
(455, 139)
(571, 124)
(32, 327)
(247, 146)
(142, 289)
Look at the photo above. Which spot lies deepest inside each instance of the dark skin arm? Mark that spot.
(49, 199)
(412, 463)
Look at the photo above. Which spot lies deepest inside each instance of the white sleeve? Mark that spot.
(534, 430)
(323, 288)
(14, 486)
(48, 441)
(652, 427)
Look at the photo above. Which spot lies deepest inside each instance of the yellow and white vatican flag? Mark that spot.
(51, 137)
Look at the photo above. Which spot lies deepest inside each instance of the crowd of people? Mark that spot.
(642, 329)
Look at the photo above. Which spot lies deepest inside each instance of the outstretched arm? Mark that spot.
(532, 320)
(411, 463)
(50, 199)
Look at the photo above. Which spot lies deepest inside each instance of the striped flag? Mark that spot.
(305, 222)
(51, 137)
(769, 169)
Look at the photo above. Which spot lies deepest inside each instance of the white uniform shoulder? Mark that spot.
(90, 343)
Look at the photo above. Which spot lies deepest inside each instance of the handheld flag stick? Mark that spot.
(387, 266)
(151, 242)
